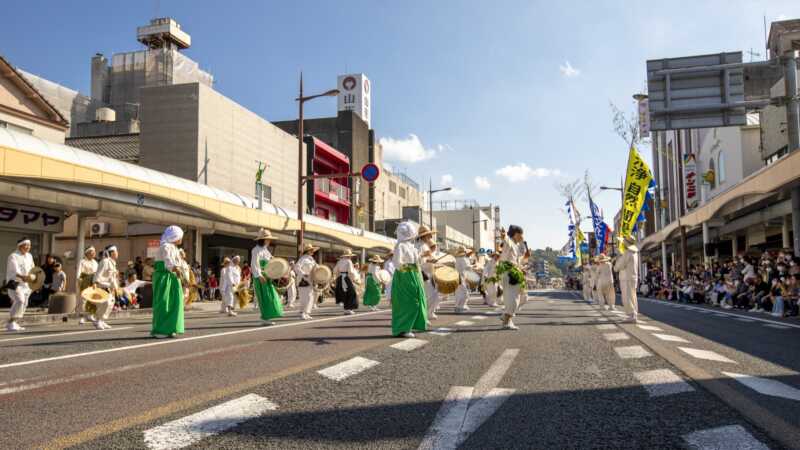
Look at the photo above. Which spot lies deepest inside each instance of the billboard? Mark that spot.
(355, 95)
(690, 178)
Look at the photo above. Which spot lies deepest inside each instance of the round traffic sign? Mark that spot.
(370, 172)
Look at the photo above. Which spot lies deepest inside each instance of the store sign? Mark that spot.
(690, 177)
(152, 248)
(644, 118)
(354, 95)
(31, 218)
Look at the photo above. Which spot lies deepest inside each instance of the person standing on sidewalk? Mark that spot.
(627, 265)
(18, 275)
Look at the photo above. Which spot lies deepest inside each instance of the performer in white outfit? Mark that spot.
(305, 286)
(389, 267)
(594, 292)
(106, 277)
(231, 277)
(489, 286)
(426, 247)
(291, 289)
(346, 279)
(586, 282)
(18, 273)
(86, 271)
(514, 252)
(606, 294)
(627, 265)
(462, 266)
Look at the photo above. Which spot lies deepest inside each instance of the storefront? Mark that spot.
(37, 224)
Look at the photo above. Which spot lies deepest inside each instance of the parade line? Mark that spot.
(180, 340)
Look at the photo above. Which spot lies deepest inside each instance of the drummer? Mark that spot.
(463, 264)
(107, 278)
(305, 286)
(87, 269)
(267, 298)
(490, 283)
(426, 247)
(372, 291)
(18, 270)
(409, 311)
(346, 278)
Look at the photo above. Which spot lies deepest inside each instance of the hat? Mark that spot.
(406, 232)
(462, 251)
(263, 234)
(375, 259)
(347, 254)
(308, 248)
(171, 234)
(130, 263)
(226, 260)
(424, 231)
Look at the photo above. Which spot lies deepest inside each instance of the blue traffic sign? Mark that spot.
(370, 172)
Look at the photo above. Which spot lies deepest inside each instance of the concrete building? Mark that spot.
(394, 193)
(470, 219)
(330, 197)
(450, 238)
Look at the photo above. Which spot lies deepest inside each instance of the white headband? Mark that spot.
(111, 248)
(88, 249)
(22, 242)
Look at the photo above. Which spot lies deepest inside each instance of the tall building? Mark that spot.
(470, 219)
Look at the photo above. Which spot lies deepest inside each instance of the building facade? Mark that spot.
(330, 198)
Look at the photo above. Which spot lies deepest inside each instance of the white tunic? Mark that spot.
(19, 265)
(171, 256)
(490, 268)
(345, 267)
(303, 268)
(259, 252)
(512, 252)
(88, 266)
(405, 253)
(107, 276)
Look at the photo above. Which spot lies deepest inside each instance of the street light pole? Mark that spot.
(432, 191)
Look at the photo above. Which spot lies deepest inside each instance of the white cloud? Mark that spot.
(409, 150)
(482, 183)
(521, 172)
(568, 71)
(446, 180)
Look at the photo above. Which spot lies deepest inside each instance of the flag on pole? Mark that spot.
(601, 230)
(638, 180)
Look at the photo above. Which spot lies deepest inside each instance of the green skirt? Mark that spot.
(269, 302)
(167, 302)
(409, 308)
(372, 293)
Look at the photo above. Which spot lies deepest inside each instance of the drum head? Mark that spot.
(38, 280)
(95, 295)
(277, 268)
(321, 275)
(445, 274)
(383, 276)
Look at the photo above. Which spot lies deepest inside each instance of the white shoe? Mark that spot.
(433, 316)
(13, 326)
(305, 316)
(407, 335)
(99, 325)
(82, 321)
(510, 326)
(232, 314)
(92, 318)
(106, 326)
(267, 323)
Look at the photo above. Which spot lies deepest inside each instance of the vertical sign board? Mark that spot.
(702, 91)
(690, 178)
(355, 95)
(644, 119)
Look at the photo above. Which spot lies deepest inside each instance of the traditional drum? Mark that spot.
(384, 277)
(446, 279)
(277, 268)
(95, 295)
(242, 293)
(283, 283)
(321, 276)
(38, 279)
(472, 278)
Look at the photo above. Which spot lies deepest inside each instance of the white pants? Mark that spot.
(227, 298)
(512, 296)
(606, 295)
(291, 294)
(587, 292)
(628, 288)
(491, 294)
(19, 301)
(432, 297)
(307, 296)
(104, 309)
(462, 294)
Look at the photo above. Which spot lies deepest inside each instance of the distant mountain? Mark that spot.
(551, 256)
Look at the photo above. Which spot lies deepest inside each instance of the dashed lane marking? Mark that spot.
(731, 437)
(670, 338)
(649, 328)
(196, 427)
(69, 333)
(441, 331)
(607, 326)
(478, 317)
(632, 352)
(611, 337)
(742, 319)
(661, 382)
(347, 368)
(463, 323)
(778, 327)
(409, 344)
(706, 354)
(765, 386)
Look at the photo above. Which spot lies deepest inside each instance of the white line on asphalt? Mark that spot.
(192, 429)
(409, 344)
(765, 386)
(607, 326)
(649, 328)
(616, 336)
(707, 311)
(463, 323)
(441, 331)
(180, 340)
(491, 379)
(728, 437)
(347, 368)
(632, 352)
(662, 382)
(742, 319)
(68, 333)
(777, 327)
(670, 338)
(706, 354)
(478, 317)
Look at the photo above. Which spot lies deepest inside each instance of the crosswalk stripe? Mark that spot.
(706, 354)
(729, 437)
(196, 427)
(409, 344)
(478, 317)
(607, 326)
(662, 382)
(649, 328)
(441, 331)
(765, 386)
(670, 338)
(611, 337)
(463, 323)
(347, 368)
(632, 352)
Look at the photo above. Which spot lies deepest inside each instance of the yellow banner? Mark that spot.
(637, 181)
(579, 239)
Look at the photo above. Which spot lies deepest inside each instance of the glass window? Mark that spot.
(17, 128)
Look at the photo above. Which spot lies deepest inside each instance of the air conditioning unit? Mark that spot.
(99, 228)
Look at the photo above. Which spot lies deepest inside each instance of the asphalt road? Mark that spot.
(571, 377)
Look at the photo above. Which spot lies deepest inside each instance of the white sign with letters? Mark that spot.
(31, 218)
(354, 95)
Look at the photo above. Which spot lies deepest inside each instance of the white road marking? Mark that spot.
(179, 340)
(347, 368)
(649, 328)
(409, 344)
(766, 386)
(607, 326)
(778, 327)
(478, 317)
(742, 319)
(662, 382)
(670, 338)
(731, 437)
(706, 354)
(192, 429)
(632, 352)
(491, 379)
(441, 331)
(68, 333)
(464, 323)
(707, 311)
(611, 337)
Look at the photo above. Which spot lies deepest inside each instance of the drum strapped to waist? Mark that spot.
(446, 279)
(95, 295)
(321, 276)
(277, 268)
(242, 293)
(383, 277)
(472, 278)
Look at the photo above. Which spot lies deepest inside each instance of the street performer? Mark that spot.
(409, 311)
(512, 259)
(305, 286)
(18, 275)
(606, 294)
(426, 247)
(167, 289)
(372, 290)
(490, 279)
(107, 278)
(269, 302)
(463, 264)
(627, 265)
(346, 278)
(87, 269)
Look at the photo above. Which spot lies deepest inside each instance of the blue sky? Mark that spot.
(514, 92)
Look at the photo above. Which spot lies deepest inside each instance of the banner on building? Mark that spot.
(31, 218)
(644, 118)
(690, 178)
(638, 179)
